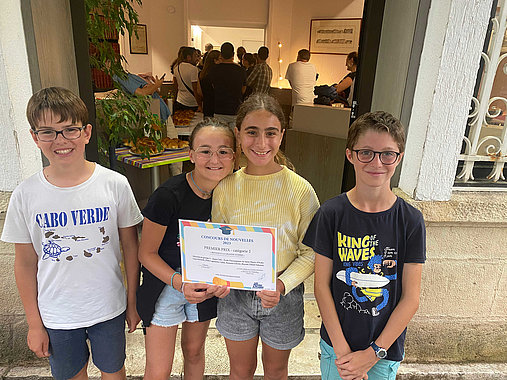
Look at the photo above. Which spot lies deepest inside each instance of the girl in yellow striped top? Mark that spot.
(266, 193)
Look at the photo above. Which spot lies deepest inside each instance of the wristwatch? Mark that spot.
(379, 351)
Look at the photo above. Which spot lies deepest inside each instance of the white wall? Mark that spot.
(331, 68)
(19, 156)
(236, 36)
(165, 22)
(247, 14)
(449, 63)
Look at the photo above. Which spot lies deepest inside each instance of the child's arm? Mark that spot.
(25, 270)
(129, 244)
(151, 238)
(402, 314)
(327, 308)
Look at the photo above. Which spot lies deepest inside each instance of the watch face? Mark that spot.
(381, 353)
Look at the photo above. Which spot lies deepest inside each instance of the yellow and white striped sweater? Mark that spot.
(283, 200)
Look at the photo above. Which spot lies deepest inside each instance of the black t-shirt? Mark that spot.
(173, 200)
(368, 251)
(208, 98)
(227, 79)
(345, 93)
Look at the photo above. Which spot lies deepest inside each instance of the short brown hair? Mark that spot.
(303, 55)
(58, 100)
(378, 121)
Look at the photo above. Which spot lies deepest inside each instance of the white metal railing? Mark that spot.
(486, 142)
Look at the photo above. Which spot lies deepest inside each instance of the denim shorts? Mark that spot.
(383, 370)
(172, 308)
(242, 317)
(69, 352)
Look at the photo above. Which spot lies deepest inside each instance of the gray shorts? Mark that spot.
(242, 317)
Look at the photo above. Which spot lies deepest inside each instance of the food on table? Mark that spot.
(145, 145)
(169, 143)
(183, 117)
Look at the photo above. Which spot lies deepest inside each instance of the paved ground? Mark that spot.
(303, 364)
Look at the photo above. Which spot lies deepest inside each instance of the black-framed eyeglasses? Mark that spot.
(387, 157)
(222, 153)
(69, 133)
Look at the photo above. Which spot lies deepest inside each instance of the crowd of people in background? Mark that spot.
(216, 83)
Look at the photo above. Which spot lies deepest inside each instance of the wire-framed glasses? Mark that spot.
(387, 157)
(69, 133)
(207, 153)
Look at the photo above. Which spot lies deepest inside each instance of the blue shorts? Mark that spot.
(241, 317)
(69, 352)
(172, 308)
(383, 370)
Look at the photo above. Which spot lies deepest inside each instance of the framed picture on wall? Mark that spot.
(139, 43)
(334, 36)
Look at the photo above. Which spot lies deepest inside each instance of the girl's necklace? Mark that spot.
(205, 193)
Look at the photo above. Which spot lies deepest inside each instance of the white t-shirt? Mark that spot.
(74, 231)
(190, 74)
(302, 79)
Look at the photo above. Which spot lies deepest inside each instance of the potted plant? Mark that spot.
(127, 118)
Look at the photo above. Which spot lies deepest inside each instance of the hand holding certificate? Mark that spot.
(240, 257)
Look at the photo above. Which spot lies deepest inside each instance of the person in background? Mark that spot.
(200, 60)
(345, 86)
(367, 295)
(135, 85)
(302, 76)
(163, 300)
(186, 76)
(240, 52)
(266, 193)
(207, 48)
(178, 60)
(208, 97)
(260, 78)
(228, 81)
(248, 63)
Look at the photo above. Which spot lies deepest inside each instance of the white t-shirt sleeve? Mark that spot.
(15, 228)
(194, 74)
(288, 75)
(128, 211)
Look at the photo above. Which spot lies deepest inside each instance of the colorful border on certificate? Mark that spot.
(211, 226)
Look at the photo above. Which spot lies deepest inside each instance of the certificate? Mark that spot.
(241, 257)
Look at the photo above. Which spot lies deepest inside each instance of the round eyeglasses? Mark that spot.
(69, 133)
(387, 157)
(207, 153)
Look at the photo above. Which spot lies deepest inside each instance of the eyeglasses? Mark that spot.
(387, 157)
(222, 153)
(70, 133)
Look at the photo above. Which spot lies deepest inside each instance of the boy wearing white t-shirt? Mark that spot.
(67, 223)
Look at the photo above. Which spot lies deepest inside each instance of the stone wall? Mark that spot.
(462, 314)
(13, 327)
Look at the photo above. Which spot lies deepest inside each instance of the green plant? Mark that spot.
(104, 19)
(127, 118)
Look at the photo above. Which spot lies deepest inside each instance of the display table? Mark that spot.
(186, 130)
(316, 146)
(154, 162)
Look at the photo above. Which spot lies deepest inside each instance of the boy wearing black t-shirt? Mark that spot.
(370, 248)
